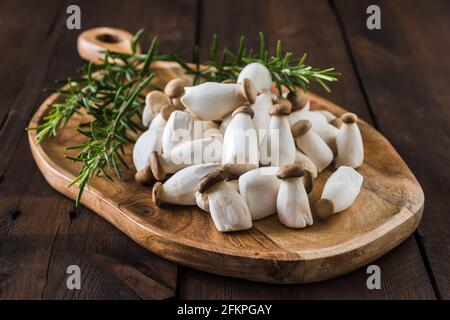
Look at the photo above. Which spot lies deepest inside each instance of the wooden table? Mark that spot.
(396, 78)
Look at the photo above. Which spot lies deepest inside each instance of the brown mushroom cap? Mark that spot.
(243, 109)
(174, 88)
(280, 110)
(156, 166)
(301, 127)
(166, 111)
(299, 99)
(155, 100)
(156, 194)
(290, 171)
(349, 118)
(324, 209)
(178, 104)
(336, 122)
(249, 90)
(211, 179)
(144, 176)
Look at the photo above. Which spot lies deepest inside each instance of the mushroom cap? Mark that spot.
(324, 209)
(156, 100)
(167, 110)
(211, 179)
(174, 88)
(156, 166)
(336, 122)
(280, 109)
(144, 176)
(249, 90)
(290, 171)
(243, 109)
(349, 118)
(299, 99)
(156, 194)
(308, 180)
(301, 127)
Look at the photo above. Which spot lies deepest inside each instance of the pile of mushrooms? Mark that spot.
(241, 152)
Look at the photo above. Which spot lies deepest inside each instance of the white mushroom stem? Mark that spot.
(327, 132)
(202, 198)
(179, 128)
(240, 144)
(158, 122)
(212, 101)
(181, 187)
(305, 162)
(339, 192)
(280, 146)
(312, 145)
(148, 142)
(311, 116)
(261, 109)
(225, 122)
(154, 102)
(228, 209)
(350, 149)
(292, 200)
(327, 114)
(259, 188)
(258, 74)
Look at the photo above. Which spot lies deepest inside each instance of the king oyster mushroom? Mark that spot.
(154, 102)
(305, 162)
(213, 101)
(202, 198)
(292, 200)
(198, 151)
(148, 142)
(280, 146)
(181, 187)
(339, 192)
(179, 128)
(312, 145)
(261, 109)
(259, 188)
(240, 143)
(258, 74)
(299, 100)
(228, 209)
(174, 90)
(350, 149)
(160, 121)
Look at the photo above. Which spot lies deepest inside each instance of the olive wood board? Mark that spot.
(387, 210)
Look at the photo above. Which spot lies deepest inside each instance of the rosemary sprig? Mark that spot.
(285, 71)
(110, 93)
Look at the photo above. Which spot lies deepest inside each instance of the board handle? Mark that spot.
(92, 43)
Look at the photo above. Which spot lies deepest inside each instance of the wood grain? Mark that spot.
(304, 26)
(386, 212)
(404, 69)
(40, 229)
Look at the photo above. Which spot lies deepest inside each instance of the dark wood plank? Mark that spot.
(40, 233)
(304, 26)
(405, 70)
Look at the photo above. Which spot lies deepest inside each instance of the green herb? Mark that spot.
(110, 93)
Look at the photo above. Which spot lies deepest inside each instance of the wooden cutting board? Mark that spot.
(386, 212)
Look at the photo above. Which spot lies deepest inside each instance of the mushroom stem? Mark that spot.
(228, 209)
(292, 200)
(259, 188)
(312, 145)
(339, 192)
(179, 128)
(350, 149)
(148, 142)
(240, 144)
(181, 187)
